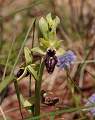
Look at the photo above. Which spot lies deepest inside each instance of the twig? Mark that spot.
(4, 117)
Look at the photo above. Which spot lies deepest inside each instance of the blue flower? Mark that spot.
(64, 61)
(90, 102)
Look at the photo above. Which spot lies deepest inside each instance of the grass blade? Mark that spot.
(4, 117)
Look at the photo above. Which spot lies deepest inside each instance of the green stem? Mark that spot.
(18, 95)
(70, 85)
(30, 86)
(72, 88)
(38, 89)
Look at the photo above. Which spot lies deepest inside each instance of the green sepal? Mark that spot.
(28, 56)
(53, 23)
(43, 25)
(27, 103)
(56, 44)
(24, 102)
(32, 71)
(38, 50)
(44, 44)
(52, 35)
(49, 20)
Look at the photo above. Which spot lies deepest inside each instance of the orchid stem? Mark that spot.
(38, 89)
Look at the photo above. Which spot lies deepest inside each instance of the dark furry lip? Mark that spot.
(50, 60)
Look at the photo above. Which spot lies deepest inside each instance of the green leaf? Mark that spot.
(38, 50)
(32, 71)
(28, 56)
